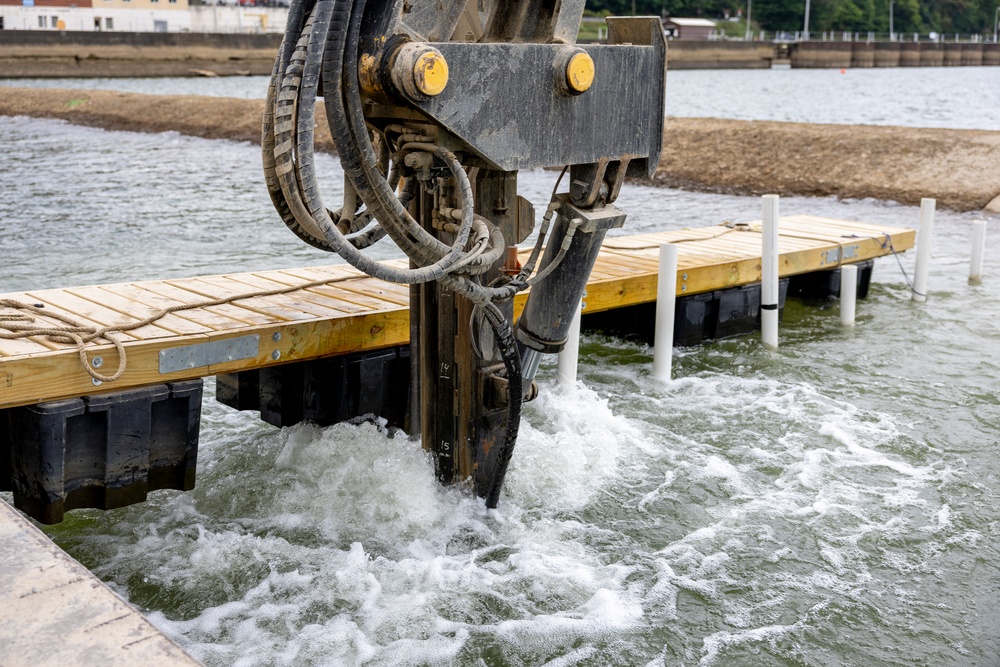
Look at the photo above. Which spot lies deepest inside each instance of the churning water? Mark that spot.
(834, 502)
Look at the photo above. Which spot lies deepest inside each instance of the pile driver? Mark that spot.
(434, 106)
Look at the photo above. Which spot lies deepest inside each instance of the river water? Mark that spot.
(955, 97)
(834, 502)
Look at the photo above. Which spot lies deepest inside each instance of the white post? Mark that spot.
(769, 274)
(923, 249)
(570, 356)
(666, 305)
(848, 294)
(978, 245)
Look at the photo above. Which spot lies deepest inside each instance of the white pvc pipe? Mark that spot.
(769, 274)
(666, 305)
(570, 356)
(978, 246)
(848, 294)
(924, 235)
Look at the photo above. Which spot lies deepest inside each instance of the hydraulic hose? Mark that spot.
(321, 46)
(512, 364)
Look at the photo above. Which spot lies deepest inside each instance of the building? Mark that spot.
(142, 16)
(685, 29)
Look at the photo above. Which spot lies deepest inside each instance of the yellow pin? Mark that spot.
(430, 73)
(580, 72)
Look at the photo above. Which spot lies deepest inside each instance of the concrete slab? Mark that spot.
(55, 612)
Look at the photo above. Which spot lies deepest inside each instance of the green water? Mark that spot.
(833, 502)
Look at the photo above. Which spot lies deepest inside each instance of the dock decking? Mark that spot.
(360, 313)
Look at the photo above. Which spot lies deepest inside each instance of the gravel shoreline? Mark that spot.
(959, 168)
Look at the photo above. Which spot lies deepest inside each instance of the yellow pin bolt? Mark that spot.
(430, 73)
(419, 71)
(580, 72)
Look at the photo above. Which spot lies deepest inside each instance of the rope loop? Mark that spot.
(25, 324)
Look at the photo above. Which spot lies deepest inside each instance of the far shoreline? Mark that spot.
(959, 168)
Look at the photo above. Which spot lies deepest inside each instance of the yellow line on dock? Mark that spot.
(364, 314)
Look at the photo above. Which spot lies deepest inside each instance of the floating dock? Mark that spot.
(353, 312)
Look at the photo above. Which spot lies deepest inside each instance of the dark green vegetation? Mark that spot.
(948, 16)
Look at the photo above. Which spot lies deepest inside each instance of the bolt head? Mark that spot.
(430, 73)
(580, 72)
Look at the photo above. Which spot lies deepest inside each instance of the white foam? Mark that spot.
(361, 555)
(716, 643)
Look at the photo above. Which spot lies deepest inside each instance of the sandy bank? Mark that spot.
(960, 168)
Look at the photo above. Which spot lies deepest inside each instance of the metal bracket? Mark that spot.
(206, 354)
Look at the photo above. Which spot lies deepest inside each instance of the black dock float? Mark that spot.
(324, 391)
(103, 451)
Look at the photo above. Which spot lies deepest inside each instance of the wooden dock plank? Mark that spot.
(23, 347)
(306, 297)
(362, 313)
(229, 311)
(204, 317)
(365, 289)
(242, 283)
(218, 287)
(360, 300)
(84, 311)
(130, 308)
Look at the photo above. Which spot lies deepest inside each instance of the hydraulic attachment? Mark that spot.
(433, 107)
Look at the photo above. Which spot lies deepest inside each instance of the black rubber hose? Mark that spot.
(289, 99)
(290, 49)
(274, 188)
(347, 124)
(291, 189)
(512, 364)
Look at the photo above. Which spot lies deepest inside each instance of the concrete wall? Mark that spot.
(86, 19)
(863, 54)
(893, 54)
(45, 39)
(887, 54)
(719, 55)
(909, 54)
(29, 54)
(952, 54)
(142, 4)
(822, 54)
(972, 54)
(213, 18)
(931, 55)
(991, 54)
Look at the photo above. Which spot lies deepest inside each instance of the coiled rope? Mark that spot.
(24, 324)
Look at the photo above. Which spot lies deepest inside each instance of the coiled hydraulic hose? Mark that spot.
(321, 44)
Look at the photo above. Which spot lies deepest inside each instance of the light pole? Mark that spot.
(996, 23)
(805, 28)
(750, 30)
(892, 33)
